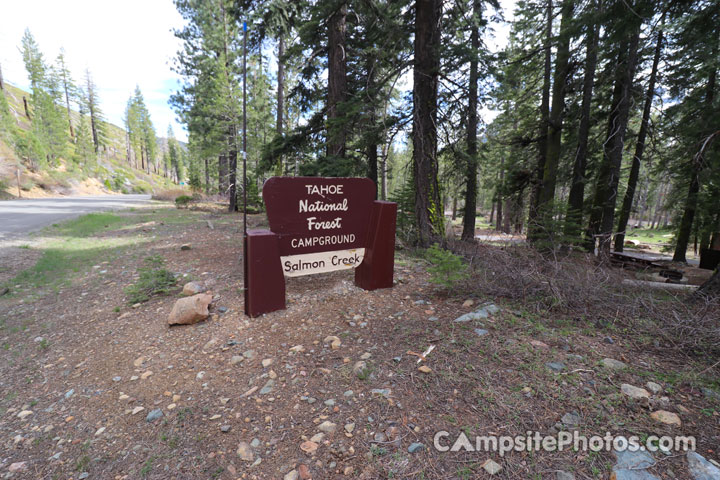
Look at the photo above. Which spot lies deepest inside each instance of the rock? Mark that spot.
(236, 359)
(636, 393)
(608, 340)
(491, 308)
(24, 414)
(145, 375)
(69, 393)
(632, 466)
(424, 369)
(711, 394)
(330, 402)
(700, 468)
(249, 354)
(416, 447)
(327, 427)
(349, 427)
(267, 388)
(267, 362)
(185, 246)
(385, 392)
(562, 475)
(139, 361)
(380, 437)
(476, 315)
(555, 366)
(100, 431)
(245, 452)
(348, 471)
(193, 288)
(613, 364)
(190, 310)
(360, 369)
(534, 343)
(571, 419)
(297, 349)
(365, 356)
(172, 406)
(467, 303)
(137, 410)
(17, 467)
(156, 414)
(318, 437)
(668, 418)
(491, 467)
(225, 428)
(200, 375)
(309, 447)
(480, 332)
(116, 379)
(304, 472)
(83, 476)
(291, 475)
(654, 387)
(333, 341)
(210, 344)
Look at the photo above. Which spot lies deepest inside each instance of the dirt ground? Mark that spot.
(248, 398)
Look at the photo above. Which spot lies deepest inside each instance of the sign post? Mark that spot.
(318, 225)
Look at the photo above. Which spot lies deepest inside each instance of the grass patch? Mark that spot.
(154, 279)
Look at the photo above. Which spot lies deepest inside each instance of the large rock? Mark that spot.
(700, 468)
(632, 466)
(193, 288)
(668, 418)
(190, 310)
(633, 392)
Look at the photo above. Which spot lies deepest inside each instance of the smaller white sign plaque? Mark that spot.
(321, 262)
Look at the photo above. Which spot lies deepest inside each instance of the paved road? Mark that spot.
(18, 217)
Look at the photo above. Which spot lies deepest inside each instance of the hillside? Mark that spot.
(109, 174)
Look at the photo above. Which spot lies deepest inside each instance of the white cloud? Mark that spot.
(122, 44)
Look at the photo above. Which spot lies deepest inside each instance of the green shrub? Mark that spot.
(154, 279)
(447, 268)
(183, 201)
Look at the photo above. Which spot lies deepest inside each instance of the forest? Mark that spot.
(588, 120)
(606, 112)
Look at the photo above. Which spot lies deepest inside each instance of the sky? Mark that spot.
(123, 44)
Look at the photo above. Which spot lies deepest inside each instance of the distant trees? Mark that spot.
(140, 133)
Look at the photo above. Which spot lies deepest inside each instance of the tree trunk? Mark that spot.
(428, 209)
(468, 232)
(639, 149)
(711, 288)
(232, 163)
(683, 236)
(576, 198)
(207, 176)
(93, 128)
(67, 106)
(222, 174)
(544, 122)
(27, 109)
(544, 207)
(501, 185)
(602, 218)
(337, 83)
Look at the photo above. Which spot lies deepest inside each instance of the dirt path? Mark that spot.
(263, 398)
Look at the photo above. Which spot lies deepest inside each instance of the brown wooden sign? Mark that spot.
(318, 225)
(318, 214)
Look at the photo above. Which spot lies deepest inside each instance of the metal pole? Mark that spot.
(244, 129)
